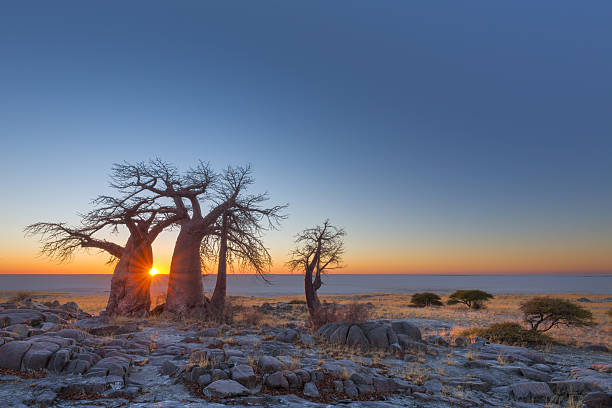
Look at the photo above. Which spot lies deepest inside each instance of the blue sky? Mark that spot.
(444, 136)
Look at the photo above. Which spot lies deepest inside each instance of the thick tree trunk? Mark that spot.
(185, 288)
(312, 299)
(129, 295)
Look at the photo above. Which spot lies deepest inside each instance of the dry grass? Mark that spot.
(396, 305)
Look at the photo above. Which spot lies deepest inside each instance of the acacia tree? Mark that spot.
(544, 313)
(238, 238)
(185, 290)
(144, 220)
(472, 298)
(317, 250)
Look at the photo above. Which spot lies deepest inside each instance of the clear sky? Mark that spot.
(445, 136)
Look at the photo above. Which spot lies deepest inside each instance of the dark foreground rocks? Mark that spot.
(55, 355)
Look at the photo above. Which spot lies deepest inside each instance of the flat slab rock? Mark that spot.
(225, 389)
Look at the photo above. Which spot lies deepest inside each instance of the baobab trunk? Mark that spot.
(218, 298)
(312, 299)
(129, 295)
(185, 288)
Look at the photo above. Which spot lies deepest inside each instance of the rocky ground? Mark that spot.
(55, 355)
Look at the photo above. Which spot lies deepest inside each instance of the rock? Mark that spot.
(45, 398)
(595, 379)
(218, 374)
(38, 355)
(22, 316)
(98, 327)
(209, 332)
(568, 387)
(168, 368)
(584, 300)
(20, 329)
(288, 336)
(74, 334)
(277, 380)
(59, 360)
(528, 391)
(338, 336)
(270, 364)
(597, 348)
(461, 341)
(380, 336)
(12, 353)
(535, 375)
(406, 328)
(597, 400)
(407, 343)
(350, 389)
(356, 338)
(307, 340)
(310, 390)
(438, 341)
(225, 389)
(204, 379)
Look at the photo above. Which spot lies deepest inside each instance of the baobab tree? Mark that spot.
(318, 249)
(237, 238)
(143, 219)
(185, 293)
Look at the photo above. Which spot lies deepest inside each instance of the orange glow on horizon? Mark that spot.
(154, 271)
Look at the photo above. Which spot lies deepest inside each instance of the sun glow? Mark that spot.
(153, 271)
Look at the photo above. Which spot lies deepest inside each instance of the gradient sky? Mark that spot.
(445, 136)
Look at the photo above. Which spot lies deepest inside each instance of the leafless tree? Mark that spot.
(317, 250)
(238, 239)
(199, 184)
(143, 218)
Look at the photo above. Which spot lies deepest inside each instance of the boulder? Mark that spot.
(74, 334)
(244, 374)
(307, 340)
(270, 364)
(22, 316)
(12, 353)
(528, 391)
(355, 338)
(225, 389)
(277, 380)
(310, 390)
(597, 400)
(406, 328)
(568, 387)
(38, 355)
(535, 375)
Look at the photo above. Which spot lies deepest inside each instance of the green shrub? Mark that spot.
(472, 298)
(544, 313)
(509, 333)
(297, 302)
(425, 299)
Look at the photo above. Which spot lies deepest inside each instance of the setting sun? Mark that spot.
(153, 272)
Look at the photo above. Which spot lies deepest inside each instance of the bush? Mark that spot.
(544, 313)
(509, 333)
(425, 299)
(472, 298)
(297, 302)
(609, 314)
(21, 296)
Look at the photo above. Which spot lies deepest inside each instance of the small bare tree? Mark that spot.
(317, 250)
(238, 239)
